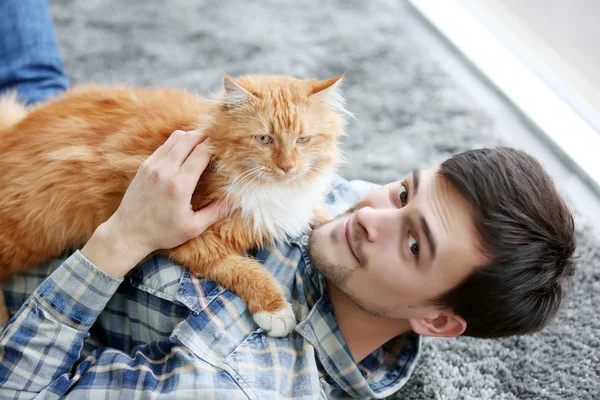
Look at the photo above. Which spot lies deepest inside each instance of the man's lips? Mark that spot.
(348, 237)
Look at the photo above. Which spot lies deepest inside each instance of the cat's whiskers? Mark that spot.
(242, 176)
(250, 184)
(247, 175)
(314, 170)
(257, 184)
(233, 183)
(316, 164)
(238, 192)
(251, 187)
(262, 178)
(310, 174)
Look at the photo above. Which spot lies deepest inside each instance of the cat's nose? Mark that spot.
(286, 167)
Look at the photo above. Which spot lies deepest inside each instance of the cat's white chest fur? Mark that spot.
(284, 210)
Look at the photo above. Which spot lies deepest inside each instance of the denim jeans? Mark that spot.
(30, 59)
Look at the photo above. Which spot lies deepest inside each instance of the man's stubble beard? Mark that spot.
(337, 274)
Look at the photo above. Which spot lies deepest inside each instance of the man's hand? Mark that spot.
(156, 211)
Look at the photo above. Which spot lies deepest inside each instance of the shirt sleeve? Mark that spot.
(43, 339)
(40, 347)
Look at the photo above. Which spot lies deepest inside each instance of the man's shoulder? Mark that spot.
(158, 276)
(168, 280)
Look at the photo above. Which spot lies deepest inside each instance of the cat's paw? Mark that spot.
(278, 323)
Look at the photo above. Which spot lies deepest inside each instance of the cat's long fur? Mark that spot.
(66, 165)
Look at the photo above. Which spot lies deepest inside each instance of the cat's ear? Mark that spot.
(329, 91)
(332, 84)
(234, 92)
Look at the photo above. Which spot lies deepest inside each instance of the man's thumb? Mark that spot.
(210, 214)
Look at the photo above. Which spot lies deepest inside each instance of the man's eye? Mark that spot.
(403, 194)
(413, 245)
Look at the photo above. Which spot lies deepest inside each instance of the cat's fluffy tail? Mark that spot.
(11, 110)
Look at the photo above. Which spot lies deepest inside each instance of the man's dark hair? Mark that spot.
(527, 232)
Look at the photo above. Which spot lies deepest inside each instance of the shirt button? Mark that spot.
(304, 240)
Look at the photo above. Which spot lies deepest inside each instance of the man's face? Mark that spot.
(403, 245)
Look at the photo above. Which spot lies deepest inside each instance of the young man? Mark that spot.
(479, 246)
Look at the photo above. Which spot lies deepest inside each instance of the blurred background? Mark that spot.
(425, 79)
(541, 57)
(564, 35)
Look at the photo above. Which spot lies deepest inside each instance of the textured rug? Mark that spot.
(411, 111)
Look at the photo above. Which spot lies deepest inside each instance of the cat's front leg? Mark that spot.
(254, 284)
(209, 257)
(320, 216)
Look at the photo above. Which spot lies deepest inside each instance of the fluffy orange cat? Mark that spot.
(66, 165)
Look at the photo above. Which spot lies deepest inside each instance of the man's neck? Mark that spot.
(362, 331)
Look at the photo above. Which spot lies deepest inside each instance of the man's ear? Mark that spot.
(445, 324)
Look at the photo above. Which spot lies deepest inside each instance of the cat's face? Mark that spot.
(276, 130)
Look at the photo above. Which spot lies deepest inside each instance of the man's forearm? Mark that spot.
(109, 250)
(40, 349)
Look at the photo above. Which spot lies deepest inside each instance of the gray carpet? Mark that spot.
(411, 112)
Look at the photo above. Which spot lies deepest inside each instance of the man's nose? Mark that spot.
(375, 222)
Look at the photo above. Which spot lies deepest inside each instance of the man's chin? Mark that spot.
(320, 246)
(317, 236)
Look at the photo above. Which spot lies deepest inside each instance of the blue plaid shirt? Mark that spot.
(162, 331)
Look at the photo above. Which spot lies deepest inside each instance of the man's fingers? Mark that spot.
(166, 147)
(197, 161)
(209, 215)
(184, 147)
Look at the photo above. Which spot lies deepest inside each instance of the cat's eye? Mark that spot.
(263, 139)
(403, 194)
(303, 139)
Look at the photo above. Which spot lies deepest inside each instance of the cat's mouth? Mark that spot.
(285, 178)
